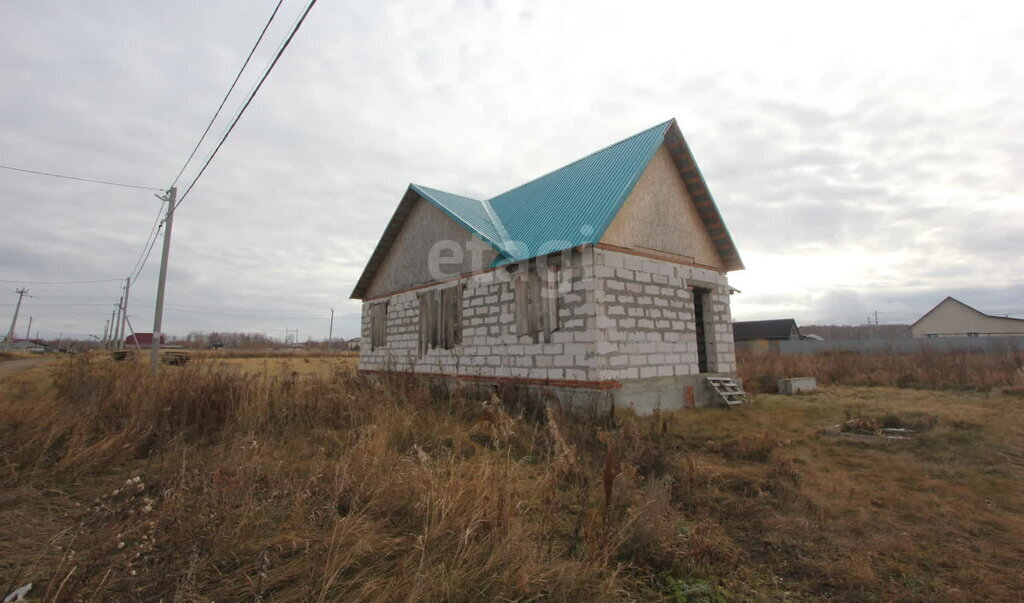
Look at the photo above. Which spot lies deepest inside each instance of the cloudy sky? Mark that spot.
(866, 157)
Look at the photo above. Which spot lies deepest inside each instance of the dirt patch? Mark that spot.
(14, 366)
(882, 429)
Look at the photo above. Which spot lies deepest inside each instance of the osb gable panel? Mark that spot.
(659, 215)
(406, 264)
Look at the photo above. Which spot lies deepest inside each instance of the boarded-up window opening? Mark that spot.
(440, 318)
(537, 301)
(378, 325)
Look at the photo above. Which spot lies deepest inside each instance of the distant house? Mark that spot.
(603, 282)
(28, 345)
(144, 339)
(953, 318)
(352, 344)
(764, 335)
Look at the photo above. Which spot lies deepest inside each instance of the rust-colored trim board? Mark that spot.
(657, 256)
(433, 283)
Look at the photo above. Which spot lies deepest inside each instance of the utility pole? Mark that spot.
(113, 313)
(106, 325)
(28, 331)
(14, 321)
(124, 312)
(876, 318)
(158, 317)
(117, 326)
(330, 333)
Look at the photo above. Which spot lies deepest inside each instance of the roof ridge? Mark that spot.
(498, 225)
(664, 125)
(499, 242)
(437, 190)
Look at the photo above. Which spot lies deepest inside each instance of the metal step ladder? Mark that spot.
(728, 390)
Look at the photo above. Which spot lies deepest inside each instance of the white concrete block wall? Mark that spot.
(645, 318)
(490, 345)
(621, 317)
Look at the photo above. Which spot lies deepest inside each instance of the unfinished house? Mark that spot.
(603, 282)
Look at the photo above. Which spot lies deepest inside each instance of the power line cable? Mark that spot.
(154, 232)
(272, 317)
(230, 90)
(106, 280)
(252, 95)
(66, 177)
(146, 259)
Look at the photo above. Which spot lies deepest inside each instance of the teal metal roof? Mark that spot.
(566, 208)
(574, 205)
(474, 215)
(570, 206)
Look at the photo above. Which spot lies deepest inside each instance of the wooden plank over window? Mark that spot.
(537, 300)
(378, 325)
(440, 318)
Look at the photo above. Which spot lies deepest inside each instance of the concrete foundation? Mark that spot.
(642, 396)
(645, 396)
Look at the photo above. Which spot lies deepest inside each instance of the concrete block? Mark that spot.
(563, 361)
(797, 385)
(575, 374)
(564, 337)
(585, 337)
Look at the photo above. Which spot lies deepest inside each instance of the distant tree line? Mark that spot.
(236, 340)
(246, 341)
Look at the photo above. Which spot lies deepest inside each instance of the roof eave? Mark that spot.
(700, 193)
(381, 250)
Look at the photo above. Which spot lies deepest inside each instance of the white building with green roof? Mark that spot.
(603, 282)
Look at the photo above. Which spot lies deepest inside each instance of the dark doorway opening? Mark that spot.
(700, 298)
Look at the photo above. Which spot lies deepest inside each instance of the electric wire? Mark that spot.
(66, 177)
(252, 95)
(145, 259)
(158, 223)
(105, 280)
(154, 232)
(228, 94)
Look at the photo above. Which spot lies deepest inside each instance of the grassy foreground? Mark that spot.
(296, 480)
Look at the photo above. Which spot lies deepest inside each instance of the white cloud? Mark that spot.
(867, 152)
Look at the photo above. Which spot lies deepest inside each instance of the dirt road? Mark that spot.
(13, 366)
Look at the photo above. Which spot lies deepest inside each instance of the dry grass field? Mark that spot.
(296, 479)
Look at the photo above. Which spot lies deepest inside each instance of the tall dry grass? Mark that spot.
(921, 370)
(338, 487)
(213, 484)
